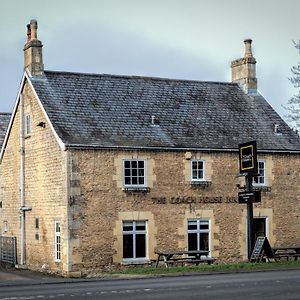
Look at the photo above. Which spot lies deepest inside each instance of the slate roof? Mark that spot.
(92, 110)
(4, 121)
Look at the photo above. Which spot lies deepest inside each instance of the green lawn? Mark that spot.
(206, 268)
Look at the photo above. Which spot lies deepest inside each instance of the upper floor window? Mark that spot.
(27, 124)
(134, 172)
(197, 170)
(261, 178)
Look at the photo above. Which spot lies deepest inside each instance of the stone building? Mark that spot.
(101, 170)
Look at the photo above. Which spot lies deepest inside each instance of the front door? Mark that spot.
(259, 227)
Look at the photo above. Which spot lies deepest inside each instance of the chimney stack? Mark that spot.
(243, 70)
(33, 59)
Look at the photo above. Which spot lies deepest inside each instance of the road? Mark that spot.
(273, 285)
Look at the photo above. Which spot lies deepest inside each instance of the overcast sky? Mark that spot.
(188, 39)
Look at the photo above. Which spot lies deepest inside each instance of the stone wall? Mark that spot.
(100, 204)
(45, 188)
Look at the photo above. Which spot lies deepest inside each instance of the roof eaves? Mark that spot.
(128, 148)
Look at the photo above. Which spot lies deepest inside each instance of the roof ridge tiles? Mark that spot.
(140, 77)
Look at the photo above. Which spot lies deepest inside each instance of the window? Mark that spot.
(261, 179)
(198, 234)
(37, 223)
(57, 242)
(134, 240)
(134, 173)
(197, 169)
(27, 124)
(5, 226)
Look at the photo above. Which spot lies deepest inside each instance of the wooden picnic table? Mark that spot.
(178, 256)
(287, 252)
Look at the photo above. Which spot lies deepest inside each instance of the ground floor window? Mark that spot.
(134, 239)
(198, 234)
(57, 241)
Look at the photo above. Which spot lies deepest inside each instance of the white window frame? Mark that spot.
(264, 183)
(57, 241)
(27, 124)
(203, 170)
(199, 231)
(5, 226)
(134, 232)
(145, 173)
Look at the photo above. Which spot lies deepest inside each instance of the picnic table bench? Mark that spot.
(292, 252)
(183, 257)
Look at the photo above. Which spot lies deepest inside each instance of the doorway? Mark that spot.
(259, 227)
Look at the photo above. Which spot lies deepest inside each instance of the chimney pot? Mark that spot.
(248, 49)
(28, 33)
(33, 29)
(33, 58)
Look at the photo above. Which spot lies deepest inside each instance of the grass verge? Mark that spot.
(207, 268)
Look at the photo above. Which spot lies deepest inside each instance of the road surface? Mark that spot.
(273, 285)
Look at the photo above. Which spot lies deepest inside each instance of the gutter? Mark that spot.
(132, 148)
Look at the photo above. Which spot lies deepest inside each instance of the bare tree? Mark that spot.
(293, 104)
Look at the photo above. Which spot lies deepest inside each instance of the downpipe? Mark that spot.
(22, 184)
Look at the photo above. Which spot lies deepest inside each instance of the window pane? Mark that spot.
(141, 164)
(140, 225)
(127, 164)
(134, 172)
(194, 165)
(204, 225)
(134, 180)
(127, 172)
(194, 174)
(127, 180)
(128, 246)
(192, 225)
(127, 226)
(204, 241)
(192, 241)
(140, 245)
(141, 180)
(200, 174)
(141, 172)
(134, 164)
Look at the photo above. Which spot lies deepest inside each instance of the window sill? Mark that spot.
(136, 262)
(138, 189)
(200, 184)
(261, 188)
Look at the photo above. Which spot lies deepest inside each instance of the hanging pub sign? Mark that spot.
(248, 158)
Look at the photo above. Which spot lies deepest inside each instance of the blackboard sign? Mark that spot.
(262, 248)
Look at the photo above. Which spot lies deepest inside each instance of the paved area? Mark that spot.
(12, 276)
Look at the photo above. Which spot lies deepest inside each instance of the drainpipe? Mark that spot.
(22, 183)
